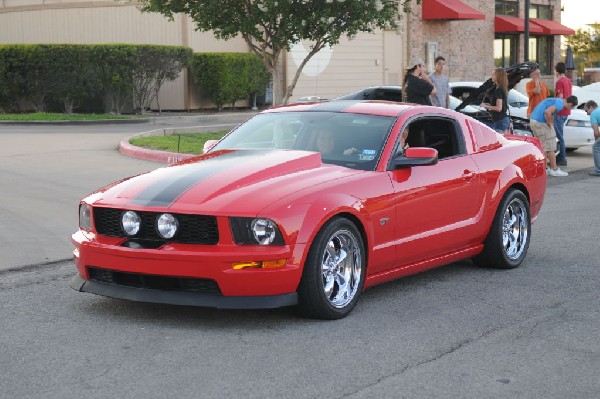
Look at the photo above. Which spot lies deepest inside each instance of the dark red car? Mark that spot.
(310, 204)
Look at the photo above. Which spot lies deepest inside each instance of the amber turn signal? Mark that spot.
(265, 264)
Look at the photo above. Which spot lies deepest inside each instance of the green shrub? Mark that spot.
(228, 77)
(34, 75)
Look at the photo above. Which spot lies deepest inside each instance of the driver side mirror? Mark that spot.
(416, 156)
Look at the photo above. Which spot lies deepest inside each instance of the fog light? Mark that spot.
(167, 225)
(131, 223)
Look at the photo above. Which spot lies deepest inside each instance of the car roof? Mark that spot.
(370, 107)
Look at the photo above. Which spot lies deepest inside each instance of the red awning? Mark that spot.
(449, 9)
(506, 24)
(551, 27)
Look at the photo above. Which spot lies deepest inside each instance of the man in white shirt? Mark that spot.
(441, 84)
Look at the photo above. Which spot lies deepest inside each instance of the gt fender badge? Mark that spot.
(383, 221)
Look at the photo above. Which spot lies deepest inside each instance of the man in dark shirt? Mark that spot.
(417, 85)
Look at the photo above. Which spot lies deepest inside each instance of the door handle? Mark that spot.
(468, 175)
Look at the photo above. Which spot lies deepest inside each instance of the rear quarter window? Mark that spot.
(485, 139)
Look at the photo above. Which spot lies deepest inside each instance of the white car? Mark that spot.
(578, 129)
(587, 93)
(517, 102)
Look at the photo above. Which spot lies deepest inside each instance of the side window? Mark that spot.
(388, 95)
(443, 134)
(393, 95)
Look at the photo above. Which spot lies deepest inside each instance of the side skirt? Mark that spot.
(422, 266)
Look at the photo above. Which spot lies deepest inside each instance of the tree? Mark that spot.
(270, 27)
(153, 66)
(228, 77)
(73, 78)
(113, 66)
(586, 43)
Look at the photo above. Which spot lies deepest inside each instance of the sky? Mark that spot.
(578, 13)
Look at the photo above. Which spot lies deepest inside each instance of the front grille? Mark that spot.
(155, 282)
(193, 229)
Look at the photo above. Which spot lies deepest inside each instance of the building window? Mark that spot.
(540, 51)
(505, 7)
(540, 11)
(505, 50)
(540, 47)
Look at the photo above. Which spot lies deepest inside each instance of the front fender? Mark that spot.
(301, 222)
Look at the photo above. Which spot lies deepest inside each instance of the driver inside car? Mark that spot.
(325, 143)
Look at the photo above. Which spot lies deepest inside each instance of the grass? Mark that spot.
(185, 143)
(47, 116)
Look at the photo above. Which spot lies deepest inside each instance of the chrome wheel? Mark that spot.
(515, 229)
(334, 271)
(507, 242)
(341, 268)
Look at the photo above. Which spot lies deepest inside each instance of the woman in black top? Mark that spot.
(498, 102)
(417, 85)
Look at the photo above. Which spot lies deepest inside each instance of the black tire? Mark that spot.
(334, 272)
(508, 239)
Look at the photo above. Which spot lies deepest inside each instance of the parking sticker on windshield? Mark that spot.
(367, 155)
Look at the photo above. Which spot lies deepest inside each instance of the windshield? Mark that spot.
(351, 140)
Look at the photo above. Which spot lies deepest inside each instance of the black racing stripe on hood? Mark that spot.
(169, 187)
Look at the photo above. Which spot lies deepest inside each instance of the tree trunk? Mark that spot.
(278, 86)
(290, 89)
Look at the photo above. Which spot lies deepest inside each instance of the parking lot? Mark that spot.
(454, 332)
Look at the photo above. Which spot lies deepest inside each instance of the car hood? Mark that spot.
(227, 182)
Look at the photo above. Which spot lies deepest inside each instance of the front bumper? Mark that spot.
(241, 289)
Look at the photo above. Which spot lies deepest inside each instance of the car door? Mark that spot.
(437, 205)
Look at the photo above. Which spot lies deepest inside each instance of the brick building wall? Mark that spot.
(467, 45)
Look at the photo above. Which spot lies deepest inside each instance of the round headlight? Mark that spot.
(85, 221)
(131, 223)
(264, 231)
(166, 225)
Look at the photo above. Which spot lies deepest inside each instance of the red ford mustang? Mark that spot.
(310, 204)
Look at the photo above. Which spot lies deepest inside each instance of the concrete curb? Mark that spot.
(132, 151)
(81, 122)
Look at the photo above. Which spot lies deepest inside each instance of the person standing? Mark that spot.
(537, 91)
(542, 124)
(417, 85)
(442, 96)
(562, 89)
(498, 104)
(591, 108)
